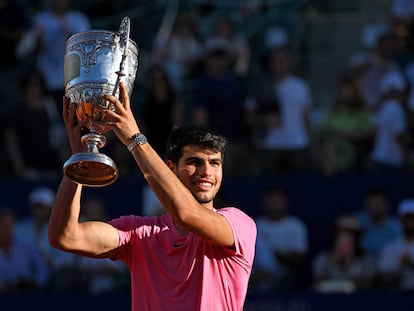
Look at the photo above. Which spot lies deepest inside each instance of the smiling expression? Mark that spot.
(201, 171)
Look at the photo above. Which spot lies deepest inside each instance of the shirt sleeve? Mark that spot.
(388, 260)
(244, 231)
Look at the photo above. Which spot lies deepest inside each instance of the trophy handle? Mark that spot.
(123, 33)
(124, 29)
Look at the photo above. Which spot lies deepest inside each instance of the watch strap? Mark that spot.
(136, 139)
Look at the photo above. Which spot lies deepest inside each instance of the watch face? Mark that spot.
(137, 139)
(140, 139)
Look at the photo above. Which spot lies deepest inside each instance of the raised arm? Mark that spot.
(92, 238)
(175, 196)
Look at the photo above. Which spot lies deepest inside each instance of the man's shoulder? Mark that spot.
(297, 82)
(232, 209)
(394, 246)
(296, 221)
(24, 225)
(237, 213)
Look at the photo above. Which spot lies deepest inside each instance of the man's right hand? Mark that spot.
(73, 126)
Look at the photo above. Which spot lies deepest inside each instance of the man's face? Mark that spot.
(41, 212)
(274, 204)
(377, 206)
(280, 62)
(201, 171)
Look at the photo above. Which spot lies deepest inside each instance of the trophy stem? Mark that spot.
(91, 168)
(93, 142)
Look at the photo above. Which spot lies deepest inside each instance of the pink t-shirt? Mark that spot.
(170, 271)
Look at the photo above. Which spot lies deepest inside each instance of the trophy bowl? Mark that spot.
(95, 63)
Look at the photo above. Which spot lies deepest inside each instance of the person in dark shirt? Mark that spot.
(13, 23)
(34, 130)
(160, 95)
(219, 101)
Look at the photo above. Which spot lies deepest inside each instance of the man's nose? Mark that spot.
(205, 169)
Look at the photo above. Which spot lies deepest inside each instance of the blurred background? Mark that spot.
(316, 100)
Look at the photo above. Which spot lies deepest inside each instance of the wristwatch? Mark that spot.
(136, 139)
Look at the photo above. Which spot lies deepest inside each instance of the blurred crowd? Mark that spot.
(29, 264)
(369, 249)
(203, 66)
(198, 69)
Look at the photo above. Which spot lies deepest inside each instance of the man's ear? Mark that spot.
(172, 165)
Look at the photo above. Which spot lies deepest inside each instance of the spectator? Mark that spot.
(12, 26)
(285, 236)
(389, 154)
(151, 206)
(180, 51)
(218, 103)
(409, 111)
(378, 223)
(279, 109)
(382, 61)
(265, 269)
(33, 228)
(160, 95)
(402, 22)
(344, 267)
(223, 27)
(34, 130)
(33, 231)
(13, 23)
(396, 260)
(403, 9)
(53, 26)
(102, 275)
(347, 131)
(21, 266)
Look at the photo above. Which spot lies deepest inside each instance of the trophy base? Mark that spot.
(91, 169)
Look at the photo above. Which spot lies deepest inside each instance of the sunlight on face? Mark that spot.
(201, 171)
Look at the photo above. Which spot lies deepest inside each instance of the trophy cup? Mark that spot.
(95, 63)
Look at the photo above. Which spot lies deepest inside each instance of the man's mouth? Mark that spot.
(204, 185)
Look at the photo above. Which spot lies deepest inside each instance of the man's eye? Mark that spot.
(193, 162)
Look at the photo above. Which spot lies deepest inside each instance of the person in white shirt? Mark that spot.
(283, 235)
(279, 115)
(21, 266)
(33, 230)
(396, 261)
(388, 153)
(53, 26)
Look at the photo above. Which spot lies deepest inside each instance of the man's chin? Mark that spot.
(203, 200)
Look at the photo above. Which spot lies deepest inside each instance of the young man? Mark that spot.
(193, 257)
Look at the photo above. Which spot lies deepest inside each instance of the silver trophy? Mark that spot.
(95, 63)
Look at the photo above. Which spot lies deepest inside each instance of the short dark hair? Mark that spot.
(376, 191)
(193, 135)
